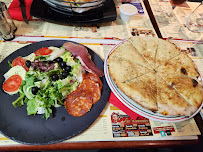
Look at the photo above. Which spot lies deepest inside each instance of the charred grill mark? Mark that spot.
(195, 83)
(183, 71)
(166, 63)
(169, 87)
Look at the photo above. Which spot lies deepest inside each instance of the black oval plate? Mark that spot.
(35, 130)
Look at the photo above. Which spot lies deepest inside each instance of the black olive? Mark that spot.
(35, 90)
(59, 59)
(67, 68)
(44, 62)
(28, 63)
(50, 62)
(55, 77)
(63, 64)
(65, 74)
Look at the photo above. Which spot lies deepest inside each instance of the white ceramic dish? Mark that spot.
(83, 8)
(135, 107)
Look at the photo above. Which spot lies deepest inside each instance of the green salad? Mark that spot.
(48, 81)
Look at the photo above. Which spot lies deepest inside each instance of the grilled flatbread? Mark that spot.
(126, 51)
(181, 65)
(147, 46)
(188, 88)
(142, 90)
(165, 52)
(157, 76)
(125, 70)
(170, 102)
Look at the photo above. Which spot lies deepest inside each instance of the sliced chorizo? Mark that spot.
(78, 103)
(94, 78)
(92, 88)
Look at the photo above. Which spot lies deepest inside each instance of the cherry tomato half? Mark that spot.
(43, 51)
(20, 61)
(12, 83)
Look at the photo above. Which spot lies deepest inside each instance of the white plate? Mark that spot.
(83, 8)
(135, 107)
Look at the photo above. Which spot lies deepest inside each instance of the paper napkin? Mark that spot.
(15, 10)
(116, 102)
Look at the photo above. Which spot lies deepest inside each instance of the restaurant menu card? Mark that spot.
(115, 125)
(125, 126)
(172, 23)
